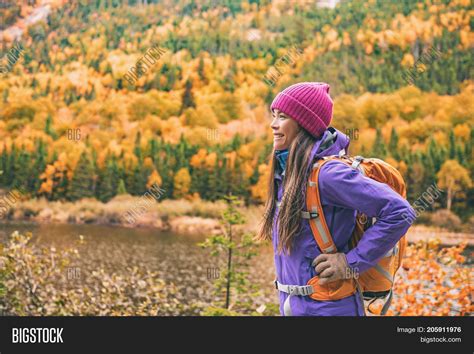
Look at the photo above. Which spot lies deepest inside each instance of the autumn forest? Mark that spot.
(196, 121)
(128, 113)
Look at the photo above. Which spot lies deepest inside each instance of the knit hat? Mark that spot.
(308, 103)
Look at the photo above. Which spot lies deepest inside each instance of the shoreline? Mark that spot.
(189, 225)
(198, 226)
(175, 216)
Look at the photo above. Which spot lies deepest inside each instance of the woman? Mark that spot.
(301, 116)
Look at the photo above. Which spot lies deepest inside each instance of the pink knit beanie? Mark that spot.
(308, 103)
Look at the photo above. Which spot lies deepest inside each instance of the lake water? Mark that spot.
(176, 258)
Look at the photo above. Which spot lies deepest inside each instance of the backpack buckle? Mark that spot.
(357, 161)
(309, 214)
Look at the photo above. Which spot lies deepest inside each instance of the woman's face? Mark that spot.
(284, 130)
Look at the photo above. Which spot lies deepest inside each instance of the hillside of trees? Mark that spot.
(197, 121)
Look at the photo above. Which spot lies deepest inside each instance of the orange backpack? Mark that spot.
(375, 284)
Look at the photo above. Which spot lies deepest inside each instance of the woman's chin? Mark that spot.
(279, 145)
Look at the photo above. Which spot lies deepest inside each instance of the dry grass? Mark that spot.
(159, 214)
(162, 213)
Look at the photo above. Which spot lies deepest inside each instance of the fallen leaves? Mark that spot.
(433, 281)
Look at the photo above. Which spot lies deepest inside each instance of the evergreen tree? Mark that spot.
(181, 158)
(48, 88)
(199, 182)
(121, 188)
(239, 184)
(443, 153)
(62, 186)
(452, 145)
(218, 180)
(107, 181)
(137, 150)
(90, 96)
(48, 129)
(212, 192)
(469, 152)
(94, 166)
(430, 172)
(236, 142)
(39, 166)
(379, 150)
(228, 82)
(460, 155)
(434, 155)
(393, 144)
(138, 180)
(153, 150)
(201, 73)
(22, 172)
(255, 175)
(469, 146)
(188, 99)
(82, 182)
(3, 167)
(10, 170)
(6, 92)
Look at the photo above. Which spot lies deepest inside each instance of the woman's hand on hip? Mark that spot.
(331, 267)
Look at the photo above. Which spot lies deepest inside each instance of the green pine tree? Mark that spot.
(22, 171)
(137, 150)
(434, 154)
(199, 182)
(39, 166)
(48, 128)
(379, 150)
(238, 183)
(12, 164)
(201, 73)
(6, 92)
(188, 98)
(82, 182)
(460, 155)
(3, 167)
(393, 144)
(153, 150)
(452, 145)
(107, 181)
(469, 153)
(121, 188)
(137, 180)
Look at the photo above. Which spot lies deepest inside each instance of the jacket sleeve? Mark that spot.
(343, 186)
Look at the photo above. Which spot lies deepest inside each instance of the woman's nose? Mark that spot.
(274, 125)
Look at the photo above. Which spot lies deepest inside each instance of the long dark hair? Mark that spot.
(293, 199)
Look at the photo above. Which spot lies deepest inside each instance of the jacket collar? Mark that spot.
(331, 143)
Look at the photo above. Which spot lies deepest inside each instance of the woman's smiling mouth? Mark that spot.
(277, 136)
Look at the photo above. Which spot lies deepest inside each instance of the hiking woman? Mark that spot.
(301, 115)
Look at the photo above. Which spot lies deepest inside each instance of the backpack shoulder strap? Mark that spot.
(315, 212)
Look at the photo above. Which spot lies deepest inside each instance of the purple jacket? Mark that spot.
(343, 190)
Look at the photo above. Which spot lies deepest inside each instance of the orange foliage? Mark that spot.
(154, 178)
(198, 159)
(433, 282)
